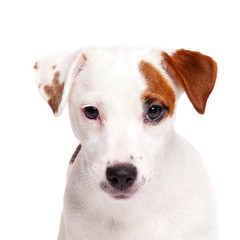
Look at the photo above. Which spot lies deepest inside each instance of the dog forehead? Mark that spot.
(116, 69)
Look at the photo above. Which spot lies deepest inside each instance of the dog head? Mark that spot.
(122, 104)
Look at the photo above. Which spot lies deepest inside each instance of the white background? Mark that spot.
(36, 147)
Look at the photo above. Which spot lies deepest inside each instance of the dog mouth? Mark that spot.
(123, 194)
(119, 194)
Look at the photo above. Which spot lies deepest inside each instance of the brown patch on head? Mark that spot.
(39, 85)
(195, 72)
(158, 88)
(53, 67)
(35, 66)
(54, 92)
(75, 154)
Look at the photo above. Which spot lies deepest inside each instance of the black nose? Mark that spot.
(121, 176)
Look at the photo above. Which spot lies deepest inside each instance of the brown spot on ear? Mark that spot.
(53, 67)
(55, 80)
(158, 87)
(75, 154)
(54, 92)
(35, 66)
(80, 66)
(84, 57)
(39, 85)
(195, 72)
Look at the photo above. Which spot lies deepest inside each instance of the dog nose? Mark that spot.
(121, 176)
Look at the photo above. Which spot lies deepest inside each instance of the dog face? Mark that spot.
(122, 104)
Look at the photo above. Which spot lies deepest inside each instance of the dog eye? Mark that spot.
(155, 112)
(91, 112)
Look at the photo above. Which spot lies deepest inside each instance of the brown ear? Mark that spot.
(195, 72)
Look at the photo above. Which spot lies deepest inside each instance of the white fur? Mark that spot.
(175, 202)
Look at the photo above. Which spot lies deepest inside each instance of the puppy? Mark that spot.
(134, 178)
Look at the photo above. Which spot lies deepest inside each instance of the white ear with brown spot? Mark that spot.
(55, 75)
(195, 72)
